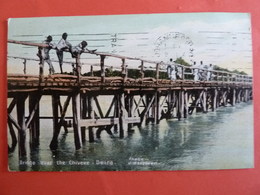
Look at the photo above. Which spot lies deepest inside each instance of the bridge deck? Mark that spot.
(68, 83)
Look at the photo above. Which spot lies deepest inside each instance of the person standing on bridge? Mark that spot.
(209, 72)
(195, 71)
(80, 48)
(45, 55)
(171, 70)
(202, 72)
(62, 45)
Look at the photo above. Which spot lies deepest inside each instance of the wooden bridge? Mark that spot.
(132, 101)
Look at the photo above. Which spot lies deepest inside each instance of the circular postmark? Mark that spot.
(174, 45)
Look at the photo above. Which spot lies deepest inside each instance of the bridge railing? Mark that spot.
(159, 69)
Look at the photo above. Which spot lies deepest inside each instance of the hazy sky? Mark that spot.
(222, 39)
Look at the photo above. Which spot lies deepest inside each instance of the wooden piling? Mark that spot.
(214, 99)
(122, 115)
(233, 101)
(34, 126)
(157, 107)
(55, 115)
(116, 111)
(186, 104)
(13, 136)
(21, 122)
(83, 116)
(204, 101)
(91, 116)
(76, 120)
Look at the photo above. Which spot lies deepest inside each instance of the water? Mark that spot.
(216, 140)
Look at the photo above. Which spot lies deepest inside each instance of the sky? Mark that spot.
(222, 39)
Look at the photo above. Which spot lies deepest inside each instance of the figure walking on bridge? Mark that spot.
(45, 55)
(195, 71)
(202, 73)
(209, 72)
(61, 46)
(171, 70)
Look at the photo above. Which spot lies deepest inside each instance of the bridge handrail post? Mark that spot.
(142, 69)
(91, 71)
(41, 64)
(124, 70)
(157, 72)
(102, 68)
(24, 65)
(78, 68)
(182, 72)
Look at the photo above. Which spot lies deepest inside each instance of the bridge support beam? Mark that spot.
(122, 115)
(34, 101)
(21, 122)
(76, 120)
(56, 128)
(91, 116)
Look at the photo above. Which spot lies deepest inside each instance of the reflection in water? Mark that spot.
(216, 140)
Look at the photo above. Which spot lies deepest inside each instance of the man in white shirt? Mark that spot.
(80, 48)
(45, 55)
(209, 73)
(195, 71)
(61, 46)
(171, 70)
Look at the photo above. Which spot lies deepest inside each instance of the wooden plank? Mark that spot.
(63, 112)
(147, 108)
(28, 43)
(110, 107)
(106, 121)
(137, 106)
(98, 107)
(11, 106)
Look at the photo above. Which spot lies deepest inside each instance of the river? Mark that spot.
(216, 140)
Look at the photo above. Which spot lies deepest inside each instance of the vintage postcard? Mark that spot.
(130, 92)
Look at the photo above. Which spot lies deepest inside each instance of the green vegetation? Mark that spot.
(226, 70)
(182, 62)
(135, 73)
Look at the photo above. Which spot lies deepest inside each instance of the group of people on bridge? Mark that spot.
(61, 46)
(201, 72)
